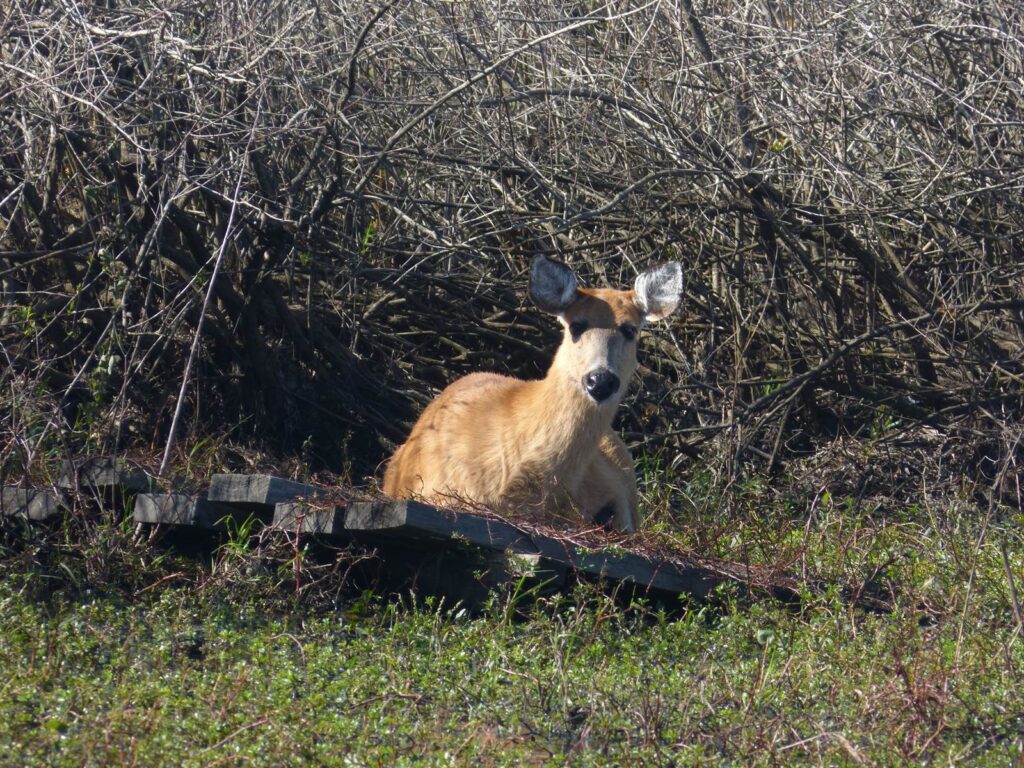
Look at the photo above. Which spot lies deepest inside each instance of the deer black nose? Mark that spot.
(601, 384)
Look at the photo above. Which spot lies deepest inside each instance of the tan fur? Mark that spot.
(515, 445)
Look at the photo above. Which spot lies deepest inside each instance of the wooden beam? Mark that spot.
(411, 520)
(29, 503)
(258, 493)
(305, 520)
(105, 474)
(180, 509)
(404, 530)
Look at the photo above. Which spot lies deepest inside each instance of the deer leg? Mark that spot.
(608, 489)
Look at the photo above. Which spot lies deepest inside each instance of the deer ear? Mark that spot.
(552, 285)
(657, 291)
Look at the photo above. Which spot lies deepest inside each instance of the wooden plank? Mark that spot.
(105, 474)
(29, 503)
(301, 518)
(411, 520)
(259, 493)
(661, 575)
(180, 509)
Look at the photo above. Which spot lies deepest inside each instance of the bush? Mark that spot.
(367, 186)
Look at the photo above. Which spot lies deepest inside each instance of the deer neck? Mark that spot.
(565, 425)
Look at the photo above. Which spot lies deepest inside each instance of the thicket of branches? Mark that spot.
(367, 183)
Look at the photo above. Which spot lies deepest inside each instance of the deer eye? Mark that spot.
(627, 330)
(576, 328)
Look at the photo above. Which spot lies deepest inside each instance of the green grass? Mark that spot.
(176, 677)
(114, 652)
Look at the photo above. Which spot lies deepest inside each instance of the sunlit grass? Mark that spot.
(229, 671)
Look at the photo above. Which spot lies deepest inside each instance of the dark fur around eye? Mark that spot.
(629, 331)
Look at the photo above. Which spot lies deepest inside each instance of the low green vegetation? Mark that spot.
(119, 656)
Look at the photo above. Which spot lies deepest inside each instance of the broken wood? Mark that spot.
(257, 493)
(305, 520)
(30, 503)
(105, 474)
(421, 546)
(180, 509)
(412, 519)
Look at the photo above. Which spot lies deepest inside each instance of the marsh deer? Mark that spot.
(514, 445)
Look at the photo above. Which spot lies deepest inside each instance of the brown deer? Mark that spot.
(546, 445)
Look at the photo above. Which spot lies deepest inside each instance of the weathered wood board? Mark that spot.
(305, 520)
(496, 564)
(30, 503)
(105, 474)
(510, 551)
(258, 493)
(180, 509)
(410, 519)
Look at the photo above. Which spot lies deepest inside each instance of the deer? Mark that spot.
(544, 445)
